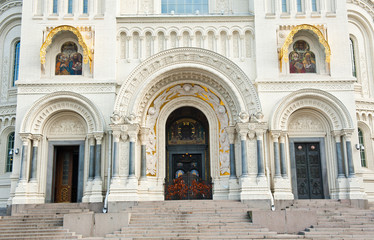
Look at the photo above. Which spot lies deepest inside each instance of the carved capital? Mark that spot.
(275, 135)
(337, 135)
(231, 133)
(282, 138)
(347, 134)
(25, 138)
(99, 137)
(36, 139)
(251, 134)
(242, 129)
(132, 131)
(91, 139)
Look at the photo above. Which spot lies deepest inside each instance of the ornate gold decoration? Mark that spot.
(283, 54)
(87, 57)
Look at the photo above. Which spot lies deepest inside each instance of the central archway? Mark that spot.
(187, 154)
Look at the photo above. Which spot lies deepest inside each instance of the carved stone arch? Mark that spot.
(150, 30)
(228, 72)
(308, 121)
(235, 29)
(211, 29)
(135, 30)
(173, 29)
(122, 30)
(181, 77)
(321, 101)
(186, 29)
(66, 124)
(198, 29)
(54, 103)
(223, 29)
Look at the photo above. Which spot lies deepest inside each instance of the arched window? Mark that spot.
(16, 62)
(314, 5)
(55, 3)
(85, 6)
(185, 6)
(361, 148)
(70, 6)
(69, 61)
(302, 60)
(284, 6)
(9, 162)
(353, 58)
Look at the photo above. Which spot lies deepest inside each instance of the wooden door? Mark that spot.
(308, 171)
(65, 189)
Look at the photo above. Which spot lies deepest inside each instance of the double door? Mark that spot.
(308, 171)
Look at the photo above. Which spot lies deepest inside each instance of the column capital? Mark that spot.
(231, 133)
(336, 134)
(25, 137)
(275, 135)
(347, 134)
(144, 132)
(242, 129)
(36, 139)
(132, 131)
(99, 137)
(282, 137)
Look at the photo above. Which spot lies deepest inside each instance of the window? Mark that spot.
(284, 6)
(299, 6)
(16, 63)
(361, 148)
(85, 6)
(314, 5)
(302, 60)
(9, 162)
(55, 3)
(185, 6)
(70, 7)
(353, 58)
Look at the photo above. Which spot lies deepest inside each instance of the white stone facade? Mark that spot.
(231, 63)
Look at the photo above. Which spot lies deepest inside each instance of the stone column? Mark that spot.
(339, 157)
(282, 148)
(351, 169)
(242, 129)
(275, 136)
(116, 138)
(231, 133)
(91, 169)
(24, 155)
(98, 137)
(144, 139)
(260, 158)
(36, 140)
(133, 135)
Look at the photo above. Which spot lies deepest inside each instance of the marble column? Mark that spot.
(242, 129)
(98, 137)
(275, 136)
(282, 153)
(116, 138)
(34, 160)
(144, 140)
(24, 155)
(260, 158)
(231, 133)
(351, 169)
(339, 157)
(133, 135)
(91, 169)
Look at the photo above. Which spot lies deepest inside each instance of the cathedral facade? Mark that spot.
(150, 100)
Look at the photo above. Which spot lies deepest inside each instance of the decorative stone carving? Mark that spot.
(305, 124)
(9, 4)
(194, 91)
(67, 126)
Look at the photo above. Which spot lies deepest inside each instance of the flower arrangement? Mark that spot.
(180, 190)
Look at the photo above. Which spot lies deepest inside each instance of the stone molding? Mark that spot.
(368, 5)
(77, 87)
(322, 101)
(9, 4)
(50, 104)
(174, 58)
(8, 111)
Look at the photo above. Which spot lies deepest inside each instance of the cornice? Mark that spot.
(25, 89)
(164, 18)
(8, 110)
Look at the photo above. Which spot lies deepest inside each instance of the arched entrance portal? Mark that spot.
(187, 155)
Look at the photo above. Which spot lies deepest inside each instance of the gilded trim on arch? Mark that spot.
(86, 51)
(283, 54)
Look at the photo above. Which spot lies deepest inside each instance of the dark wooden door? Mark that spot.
(66, 174)
(186, 163)
(308, 171)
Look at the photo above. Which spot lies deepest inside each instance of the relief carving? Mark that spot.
(305, 124)
(68, 126)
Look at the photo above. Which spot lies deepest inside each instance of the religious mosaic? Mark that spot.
(302, 60)
(69, 61)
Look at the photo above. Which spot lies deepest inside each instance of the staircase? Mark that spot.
(42, 221)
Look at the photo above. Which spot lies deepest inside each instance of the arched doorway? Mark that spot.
(187, 155)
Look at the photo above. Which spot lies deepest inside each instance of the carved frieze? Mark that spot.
(69, 126)
(305, 124)
(71, 87)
